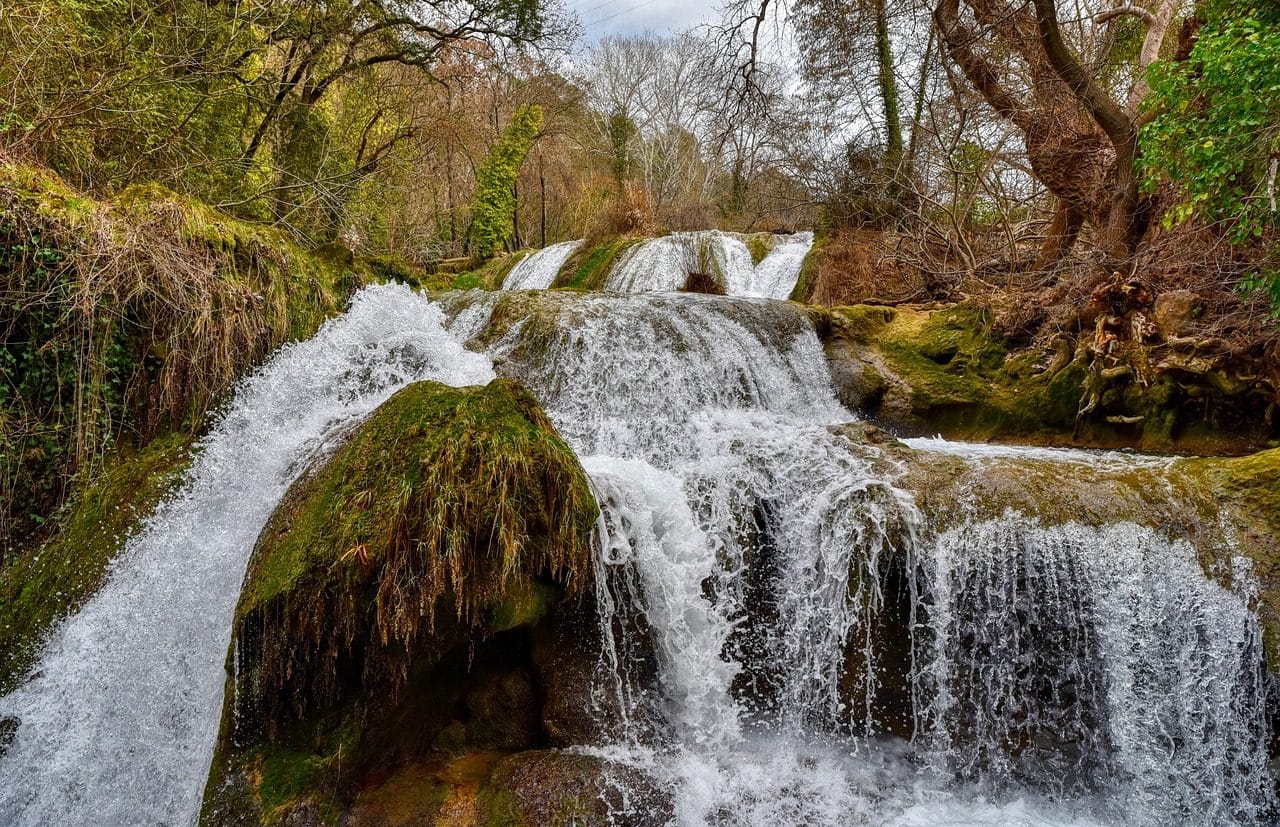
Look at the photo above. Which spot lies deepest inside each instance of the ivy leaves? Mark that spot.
(1218, 125)
(495, 197)
(1215, 127)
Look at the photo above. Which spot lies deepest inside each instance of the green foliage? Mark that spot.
(129, 320)
(110, 92)
(622, 131)
(495, 198)
(490, 274)
(1216, 126)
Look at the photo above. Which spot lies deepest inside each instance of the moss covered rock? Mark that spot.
(588, 268)
(446, 501)
(1246, 492)
(467, 274)
(44, 584)
(1225, 506)
(808, 278)
(383, 627)
(945, 370)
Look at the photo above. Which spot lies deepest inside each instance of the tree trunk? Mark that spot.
(888, 82)
(894, 148)
(542, 202)
(1062, 234)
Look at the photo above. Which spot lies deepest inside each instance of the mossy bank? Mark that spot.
(946, 370)
(132, 319)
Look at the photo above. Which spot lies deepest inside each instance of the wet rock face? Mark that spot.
(566, 656)
(548, 787)
(8, 731)
(945, 370)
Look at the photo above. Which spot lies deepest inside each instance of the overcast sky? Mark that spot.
(602, 17)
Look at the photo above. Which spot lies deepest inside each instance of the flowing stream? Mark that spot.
(539, 269)
(823, 654)
(663, 263)
(117, 724)
(1051, 674)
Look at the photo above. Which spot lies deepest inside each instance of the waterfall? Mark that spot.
(776, 274)
(788, 638)
(1107, 658)
(1056, 675)
(117, 722)
(662, 264)
(538, 270)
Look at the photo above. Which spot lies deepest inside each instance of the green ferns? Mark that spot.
(495, 194)
(444, 506)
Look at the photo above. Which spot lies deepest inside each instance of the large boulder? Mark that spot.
(384, 630)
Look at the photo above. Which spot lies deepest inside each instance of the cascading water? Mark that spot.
(538, 270)
(776, 274)
(663, 264)
(1107, 659)
(784, 589)
(1042, 660)
(117, 723)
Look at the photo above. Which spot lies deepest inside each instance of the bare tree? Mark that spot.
(1080, 141)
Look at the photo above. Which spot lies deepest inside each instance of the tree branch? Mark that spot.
(1105, 112)
(1123, 11)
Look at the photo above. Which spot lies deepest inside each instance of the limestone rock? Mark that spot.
(1175, 311)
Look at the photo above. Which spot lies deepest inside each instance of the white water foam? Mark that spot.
(538, 270)
(117, 722)
(720, 409)
(663, 264)
(1062, 675)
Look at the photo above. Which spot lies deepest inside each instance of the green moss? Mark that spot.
(499, 808)
(960, 377)
(588, 268)
(414, 795)
(453, 495)
(494, 437)
(489, 275)
(808, 278)
(157, 305)
(1250, 486)
(861, 323)
(524, 604)
(51, 197)
(45, 584)
(286, 775)
(394, 268)
(759, 245)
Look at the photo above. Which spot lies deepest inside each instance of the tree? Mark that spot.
(495, 202)
(1081, 143)
(844, 42)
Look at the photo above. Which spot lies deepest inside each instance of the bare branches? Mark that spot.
(984, 76)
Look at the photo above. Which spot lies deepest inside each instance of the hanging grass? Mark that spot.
(435, 520)
(129, 319)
